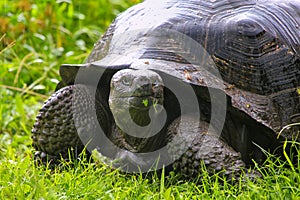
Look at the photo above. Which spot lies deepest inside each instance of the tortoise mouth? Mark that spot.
(135, 109)
(140, 99)
(144, 102)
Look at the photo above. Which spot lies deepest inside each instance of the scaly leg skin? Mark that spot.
(54, 133)
(192, 144)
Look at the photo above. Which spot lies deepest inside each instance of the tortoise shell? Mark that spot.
(253, 45)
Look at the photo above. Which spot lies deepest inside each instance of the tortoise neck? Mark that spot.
(135, 144)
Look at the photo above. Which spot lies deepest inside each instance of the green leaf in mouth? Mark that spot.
(145, 102)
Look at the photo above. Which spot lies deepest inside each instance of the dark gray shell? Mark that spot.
(254, 45)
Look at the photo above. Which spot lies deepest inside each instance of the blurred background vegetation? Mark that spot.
(36, 37)
(45, 33)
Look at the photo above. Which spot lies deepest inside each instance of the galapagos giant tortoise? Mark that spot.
(178, 83)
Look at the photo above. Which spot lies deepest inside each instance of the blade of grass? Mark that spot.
(286, 156)
(8, 46)
(287, 126)
(24, 91)
(23, 61)
(162, 182)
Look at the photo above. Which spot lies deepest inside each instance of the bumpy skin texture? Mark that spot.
(55, 134)
(54, 131)
(197, 145)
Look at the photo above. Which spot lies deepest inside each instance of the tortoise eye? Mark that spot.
(126, 80)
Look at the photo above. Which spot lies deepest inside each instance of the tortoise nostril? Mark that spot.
(143, 84)
(146, 87)
(141, 81)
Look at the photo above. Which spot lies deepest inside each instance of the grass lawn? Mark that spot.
(36, 38)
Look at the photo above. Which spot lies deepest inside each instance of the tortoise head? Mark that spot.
(134, 96)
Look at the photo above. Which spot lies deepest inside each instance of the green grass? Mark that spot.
(38, 36)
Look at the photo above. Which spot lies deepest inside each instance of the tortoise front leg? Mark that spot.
(191, 145)
(63, 116)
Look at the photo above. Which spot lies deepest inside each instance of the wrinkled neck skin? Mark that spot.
(136, 102)
(132, 122)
